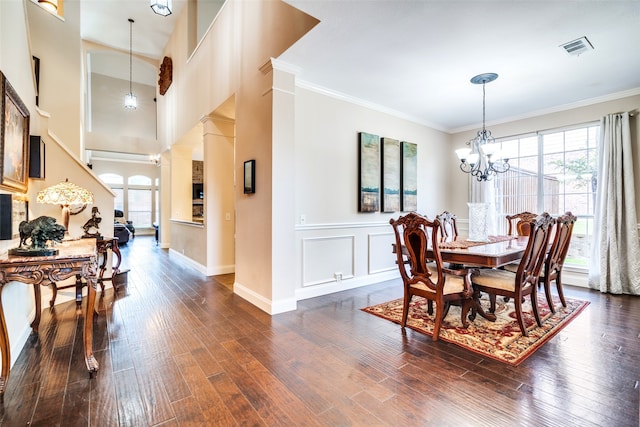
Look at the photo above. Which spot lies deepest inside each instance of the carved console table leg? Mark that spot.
(4, 347)
(89, 272)
(36, 320)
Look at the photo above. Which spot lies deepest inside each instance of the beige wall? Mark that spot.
(228, 62)
(62, 76)
(326, 192)
(57, 43)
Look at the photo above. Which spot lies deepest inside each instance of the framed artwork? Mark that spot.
(249, 177)
(369, 172)
(409, 200)
(13, 211)
(390, 175)
(14, 139)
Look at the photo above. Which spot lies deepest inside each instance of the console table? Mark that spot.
(103, 245)
(74, 258)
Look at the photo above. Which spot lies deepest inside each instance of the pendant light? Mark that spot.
(484, 159)
(130, 100)
(161, 7)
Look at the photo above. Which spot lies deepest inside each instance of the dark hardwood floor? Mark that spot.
(180, 349)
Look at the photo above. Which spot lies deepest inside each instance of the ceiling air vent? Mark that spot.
(578, 46)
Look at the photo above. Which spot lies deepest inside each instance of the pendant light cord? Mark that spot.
(130, 53)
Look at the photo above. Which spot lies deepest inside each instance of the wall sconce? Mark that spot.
(66, 194)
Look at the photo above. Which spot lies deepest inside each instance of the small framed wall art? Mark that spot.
(249, 177)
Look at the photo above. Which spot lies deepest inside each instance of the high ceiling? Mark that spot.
(415, 58)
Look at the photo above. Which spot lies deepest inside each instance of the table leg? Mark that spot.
(103, 267)
(4, 347)
(36, 320)
(477, 308)
(90, 360)
(116, 251)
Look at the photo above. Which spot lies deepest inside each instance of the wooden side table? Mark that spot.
(75, 258)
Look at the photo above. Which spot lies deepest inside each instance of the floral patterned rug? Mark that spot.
(500, 340)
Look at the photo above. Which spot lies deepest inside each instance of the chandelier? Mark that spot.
(484, 159)
(130, 101)
(161, 7)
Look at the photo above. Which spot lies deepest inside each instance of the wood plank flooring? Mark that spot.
(179, 349)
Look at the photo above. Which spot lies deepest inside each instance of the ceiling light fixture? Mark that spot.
(50, 5)
(161, 7)
(130, 100)
(484, 159)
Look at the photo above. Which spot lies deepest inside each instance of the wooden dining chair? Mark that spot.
(519, 223)
(524, 282)
(448, 227)
(554, 261)
(427, 277)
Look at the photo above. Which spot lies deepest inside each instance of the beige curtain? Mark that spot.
(615, 251)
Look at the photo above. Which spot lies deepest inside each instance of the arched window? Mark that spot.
(111, 179)
(139, 180)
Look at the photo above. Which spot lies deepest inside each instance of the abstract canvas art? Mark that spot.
(409, 200)
(390, 175)
(369, 172)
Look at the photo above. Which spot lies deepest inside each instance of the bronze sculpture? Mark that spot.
(39, 231)
(91, 227)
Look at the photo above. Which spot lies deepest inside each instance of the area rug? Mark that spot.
(500, 340)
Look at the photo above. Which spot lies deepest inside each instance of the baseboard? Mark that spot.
(265, 304)
(221, 269)
(191, 263)
(343, 285)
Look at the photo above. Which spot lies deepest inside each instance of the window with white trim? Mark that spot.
(553, 171)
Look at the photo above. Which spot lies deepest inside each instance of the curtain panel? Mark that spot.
(615, 249)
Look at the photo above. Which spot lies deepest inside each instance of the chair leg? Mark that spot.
(492, 300)
(437, 322)
(559, 287)
(430, 308)
(547, 292)
(534, 304)
(446, 309)
(405, 309)
(518, 304)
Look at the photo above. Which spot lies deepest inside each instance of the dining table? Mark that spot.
(494, 252)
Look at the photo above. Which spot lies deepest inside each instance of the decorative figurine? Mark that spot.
(40, 231)
(91, 227)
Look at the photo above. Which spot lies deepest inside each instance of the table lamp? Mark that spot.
(65, 194)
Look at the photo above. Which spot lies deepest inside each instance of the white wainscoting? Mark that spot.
(380, 245)
(324, 257)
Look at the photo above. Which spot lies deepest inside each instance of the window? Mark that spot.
(139, 180)
(111, 179)
(119, 200)
(139, 207)
(553, 171)
(135, 198)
